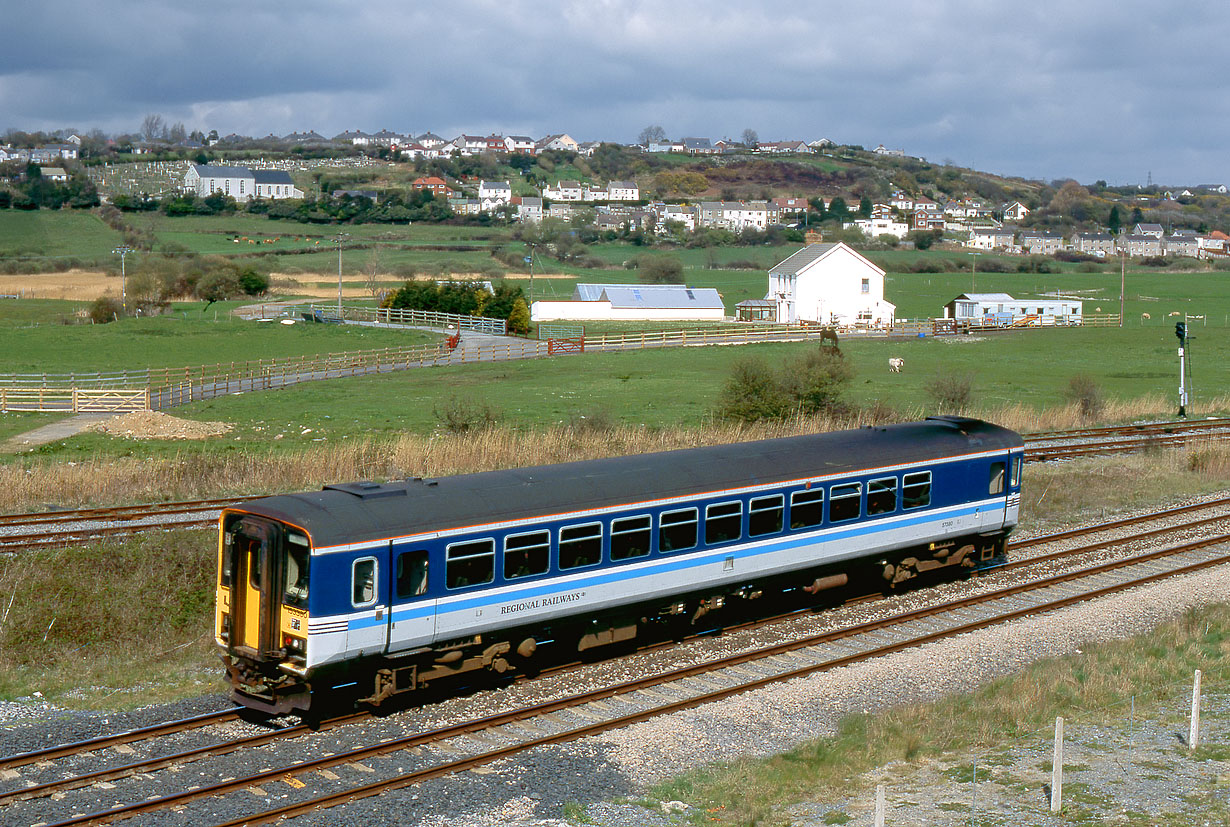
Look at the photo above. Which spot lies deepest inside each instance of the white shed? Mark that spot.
(829, 284)
(638, 302)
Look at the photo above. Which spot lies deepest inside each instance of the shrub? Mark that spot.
(809, 384)
(952, 393)
(661, 270)
(815, 380)
(1155, 261)
(753, 393)
(463, 416)
(519, 317)
(252, 282)
(1086, 393)
(105, 309)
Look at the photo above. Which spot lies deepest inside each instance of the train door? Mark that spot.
(991, 516)
(368, 593)
(252, 560)
(412, 621)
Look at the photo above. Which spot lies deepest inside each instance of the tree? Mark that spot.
(864, 207)
(218, 286)
(519, 318)
(153, 127)
(1115, 222)
(750, 138)
(1137, 215)
(837, 209)
(651, 134)
(253, 282)
(661, 270)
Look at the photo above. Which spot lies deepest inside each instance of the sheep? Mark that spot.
(895, 364)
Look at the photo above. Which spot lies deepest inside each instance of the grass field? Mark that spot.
(55, 234)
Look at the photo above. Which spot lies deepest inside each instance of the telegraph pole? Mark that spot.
(341, 237)
(122, 252)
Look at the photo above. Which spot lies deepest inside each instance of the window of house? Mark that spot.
(580, 545)
(882, 495)
(630, 537)
(723, 522)
(363, 582)
(411, 573)
(764, 515)
(526, 554)
(807, 508)
(916, 490)
(844, 501)
(469, 564)
(677, 530)
(996, 484)
(866, 285)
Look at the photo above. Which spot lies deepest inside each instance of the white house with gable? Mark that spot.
(829, 284)
(240, 183)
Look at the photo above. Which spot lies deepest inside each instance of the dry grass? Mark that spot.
(76, 285)
(192, 474)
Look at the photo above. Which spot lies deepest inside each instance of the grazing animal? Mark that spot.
(828, 336)
(1145, 316)
(1175, 313)
(895, 364)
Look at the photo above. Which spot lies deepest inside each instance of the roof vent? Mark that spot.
(370, 490)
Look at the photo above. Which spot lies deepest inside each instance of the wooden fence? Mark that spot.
(75, 400)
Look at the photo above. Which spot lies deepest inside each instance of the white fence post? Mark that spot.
(879, 805)
(1193, 735)
(1057, 769)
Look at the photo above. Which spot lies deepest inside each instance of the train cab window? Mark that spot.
(916, 490)
(764, 515)
(807, 508)
(723, 522)
(844, 501)
(469, 564)
(363, 582)
(298, 560)
(527, 554)
(1017, 461)
(996, 485)
(580, 545)
(677, 530)
(411, 573)
(882, 495)
(630, 537)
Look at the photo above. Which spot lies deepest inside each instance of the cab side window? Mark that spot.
(996, 485)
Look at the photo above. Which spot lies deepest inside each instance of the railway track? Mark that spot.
(312, 783)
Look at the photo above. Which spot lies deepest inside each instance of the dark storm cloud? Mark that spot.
(1087, 90)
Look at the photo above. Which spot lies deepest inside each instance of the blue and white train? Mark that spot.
(370, 590)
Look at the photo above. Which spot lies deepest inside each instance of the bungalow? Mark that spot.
(699, 146)
(779, 147)
(640, 302)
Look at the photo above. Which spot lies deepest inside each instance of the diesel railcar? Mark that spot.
(370, 590)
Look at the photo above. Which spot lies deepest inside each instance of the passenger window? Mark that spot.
(363, 582)
(677, 530)
(298, 559)
(526, 554)
(411, 573)
(996, 485)
(882, 495)
(723, 522)
(764, 515)
(469, 564)
(807, 508)
(630, 537)
(580, 545)
(916, 490)
(844, 501)
(1016, 471)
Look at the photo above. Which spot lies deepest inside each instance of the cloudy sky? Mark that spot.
(1086, 89)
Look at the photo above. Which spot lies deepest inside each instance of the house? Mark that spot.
(1154, 230)
(877, 226)
(496, 143)
(465, 206)
(564, 191)
(430, 140)
(1001, 310)
(1141, 245)
(1041, 242)
(665, 146)
(1212, 244)
(309, 137)
(470, 144)
(1180, 245)
(682, 213)
(778, 147)
(699, 146)
(492, 194)
(829, 284)
(437, 185)
(734, 215)
(789, 206)
(927, 219)
(240, 183)
(529, 210)
(562, 142)
(56, 174)
(1015, 211)
(896, 153)
(900, 201)
(991, 238)
(623, 191)
(1093, 244)
(355, 137)
(639, 302)
(522, 144)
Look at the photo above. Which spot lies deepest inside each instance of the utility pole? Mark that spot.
(1122, 280)
(973, 269)
(122, 252)
(341, 237)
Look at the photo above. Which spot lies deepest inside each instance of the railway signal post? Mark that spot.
(1180, 330)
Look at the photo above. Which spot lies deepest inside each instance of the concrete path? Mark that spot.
(50, 433)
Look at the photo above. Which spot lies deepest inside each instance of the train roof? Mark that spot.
(364, 511)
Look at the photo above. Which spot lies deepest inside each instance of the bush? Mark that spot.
(660, 270)
(808, 384)
(1087, 394)
(815, 380)
(519, 318)
(753, 393)
(104, 309)
(252, 282)
(463, 416)
(952, 393)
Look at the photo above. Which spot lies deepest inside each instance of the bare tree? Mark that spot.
(178, 133)
(153, 127)
(750, 138)
(651, 134)
(372, 270)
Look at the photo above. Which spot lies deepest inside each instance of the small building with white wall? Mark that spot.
(633, 302)
(829, 284)
(1002, 310)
